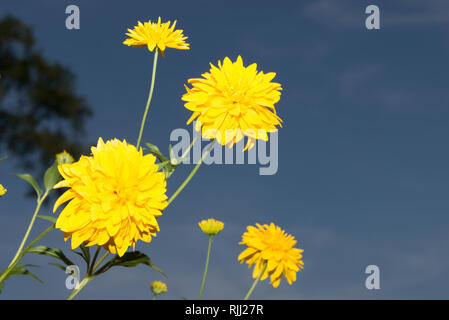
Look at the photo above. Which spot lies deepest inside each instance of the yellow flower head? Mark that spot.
(211, 227)
(234, 101)
(2, 190)
(115, 196)
(158, 287)
(64, 157)
(156, 34)
(270, 245)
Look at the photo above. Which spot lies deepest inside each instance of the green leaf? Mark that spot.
(85, 254)
(50, 252)
(4, 158)
(165, 164)
(29, 178)
(48, 218)
(20, 269)
(58, 266)
(155, 150)
(128, 260)
(51, 176)
(168, 167)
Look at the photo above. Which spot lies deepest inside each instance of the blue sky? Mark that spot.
(363, 158)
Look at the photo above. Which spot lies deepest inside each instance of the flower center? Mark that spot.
(123, 194)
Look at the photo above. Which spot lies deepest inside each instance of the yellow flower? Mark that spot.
(270, 245)
(211, 227)
(64, 157)
(234, 101)
(2, 190)
(116, 196)
(158, 287)
(156, 34)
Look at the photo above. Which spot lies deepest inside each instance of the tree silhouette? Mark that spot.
(40, 112)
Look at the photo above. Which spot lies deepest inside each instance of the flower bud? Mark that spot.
(64, 158)
(158, 287)
(211, 227)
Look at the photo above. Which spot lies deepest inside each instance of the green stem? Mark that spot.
(255, 282)
(190, 147)
(30, 226)
(24, 251)
(187, 180)
(83, 283)
(153, 77)
(100, 261)
(89, 271)
(154, 296)
(205, 269)
(19, 254)
(88, 278)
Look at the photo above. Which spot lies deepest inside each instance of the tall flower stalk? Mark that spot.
(192, 173)
(211, 227)
(150, 95)
(255, 282)
(205, 268)
(40, 200)
(156, 36)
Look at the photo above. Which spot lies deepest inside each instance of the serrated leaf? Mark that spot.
(129, 260)
(29, 178)
(51, 176)
(51, 252)
(48, 218)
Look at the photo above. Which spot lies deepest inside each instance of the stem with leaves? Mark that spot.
(51, 177)
(4, 275)
(90, 274)
(40, 200)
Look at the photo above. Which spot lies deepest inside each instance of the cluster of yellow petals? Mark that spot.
(211, 227)
(158, 287)
(2, 190)
(233, 101)
(115, 196)
(270, 245)
(156, 35)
